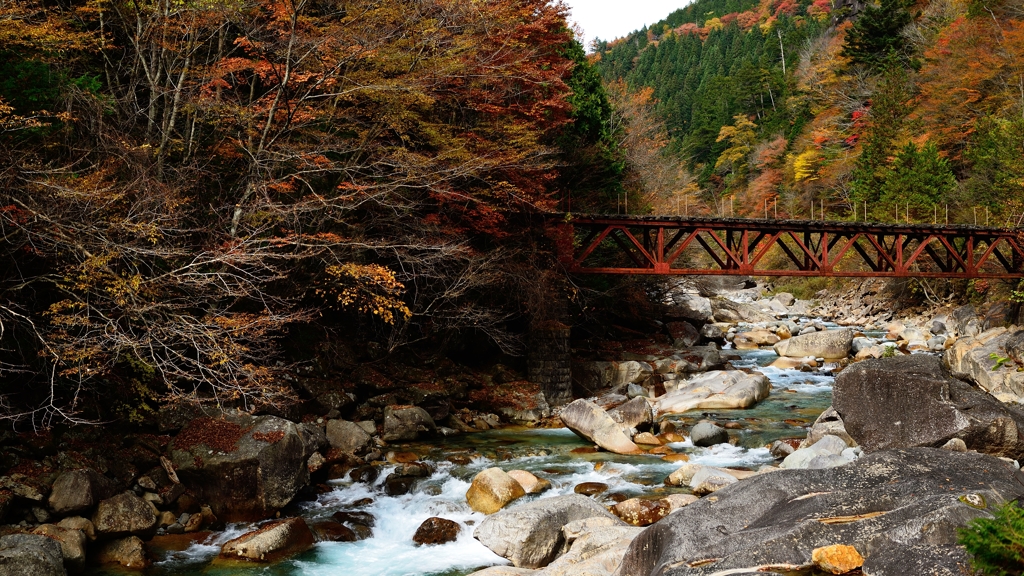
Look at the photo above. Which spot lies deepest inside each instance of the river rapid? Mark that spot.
(797, 398)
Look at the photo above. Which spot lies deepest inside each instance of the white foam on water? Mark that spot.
(200, 553)
(723, 455)
(391, 551)
(805, 382)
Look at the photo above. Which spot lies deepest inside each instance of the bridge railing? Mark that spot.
(662, 245)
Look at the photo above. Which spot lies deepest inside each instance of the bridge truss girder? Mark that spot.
(670, 246)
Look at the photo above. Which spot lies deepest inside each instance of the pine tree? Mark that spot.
(876, 34)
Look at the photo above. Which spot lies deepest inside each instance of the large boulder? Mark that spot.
(726, 310)
(913, 401)
(406, 423)
(707, 433)
(245, 467)
(982, 360)
(636, 413)
(693, 307)
(78, 491)
(754, 339)
(715, 390)
(492, 489)
(346, 436)
(30, 555)
(129, 552)
(1014, 346)
(830, 344)
(72, 544)
(124, 515)
(271, 542)
(590, 422)
(530, 535)
(900, 509)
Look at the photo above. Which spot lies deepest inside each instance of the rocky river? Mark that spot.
(733, 451)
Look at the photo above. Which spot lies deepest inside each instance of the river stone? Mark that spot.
(837, 558)
(693, 307)
(912, 401)
(829, 423)
(72, 544)
(30, 555)
(706, 433)
(78, 491)
(79, 523)
(971, 359)
(406, 423)
(271, 542)
(492, 489)
(829, 344)
(911, 499)
(129, 552)
(1014, 346)
(346, 436)
(636, 413)
(332, 531)
(784, 298)
(683, 334)
(248, 479)
(641, 511)
(720, 390)
(123, 515)
(530, 534)
(530, 483)
(726, 310)
(590, 422)
(436, 531)
(754, 339)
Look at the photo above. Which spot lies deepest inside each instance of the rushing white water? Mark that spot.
(796, 398)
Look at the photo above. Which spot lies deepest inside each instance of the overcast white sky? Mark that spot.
(610, 19)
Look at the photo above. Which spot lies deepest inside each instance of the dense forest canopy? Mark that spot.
(853, 107)
(188, 187)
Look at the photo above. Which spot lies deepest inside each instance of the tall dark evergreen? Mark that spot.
(876, 34)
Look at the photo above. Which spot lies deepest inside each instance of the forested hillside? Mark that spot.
(200, 200)
(849, 106)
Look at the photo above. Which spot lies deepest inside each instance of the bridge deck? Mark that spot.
(670, 245)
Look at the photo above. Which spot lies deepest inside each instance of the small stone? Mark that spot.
(491, 490)
(955, 445)
(147, 483)
(436, 531)
(646, 438)
(530, 483)
(641, 512)
(837, 559)
(707, 433)
(590, 488)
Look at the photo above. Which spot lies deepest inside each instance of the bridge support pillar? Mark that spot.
(549, 364)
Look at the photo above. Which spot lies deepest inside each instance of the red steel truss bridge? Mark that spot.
(669, 245)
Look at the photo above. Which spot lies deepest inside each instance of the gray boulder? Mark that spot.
(900, 509)
(784, 298)
(245, 467)
(1014, 346)
(636, 413)
(693, 307)
(726, 310)
(72, 544)
(346, 436)
(706, 433)
(590, 422)
(79, 490)
(977, 359)
(913, 401)
(406, 423)
(30, 555)
(530, 535)
(124, 515)
(825, 344)
(721, 389)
